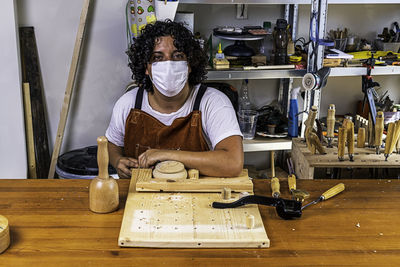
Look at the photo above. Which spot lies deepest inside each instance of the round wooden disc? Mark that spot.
(170, 176)
(170, 166)
(4, 234)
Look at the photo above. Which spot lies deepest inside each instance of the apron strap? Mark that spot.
(139, 98)
(199, 96)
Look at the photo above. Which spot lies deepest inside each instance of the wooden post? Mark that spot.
(68, 90)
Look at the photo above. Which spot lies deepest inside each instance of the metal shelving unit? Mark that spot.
(287, 2)
(264, 144)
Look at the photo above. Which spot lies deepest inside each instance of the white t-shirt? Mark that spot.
(217, 115)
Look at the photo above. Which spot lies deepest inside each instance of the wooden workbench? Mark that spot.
(51, 225)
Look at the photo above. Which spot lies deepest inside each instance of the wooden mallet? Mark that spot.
(103, 191)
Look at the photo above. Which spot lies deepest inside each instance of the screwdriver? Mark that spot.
(327, 194)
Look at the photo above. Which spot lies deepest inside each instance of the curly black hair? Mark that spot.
(141, 50)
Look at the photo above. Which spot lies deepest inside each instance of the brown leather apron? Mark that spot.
(143, 131)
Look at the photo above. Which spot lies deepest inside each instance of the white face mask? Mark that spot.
(169, 77)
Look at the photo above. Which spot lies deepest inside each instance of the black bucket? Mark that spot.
(80, 164)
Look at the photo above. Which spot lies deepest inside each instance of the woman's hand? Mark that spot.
(150, 157)
(124, 167)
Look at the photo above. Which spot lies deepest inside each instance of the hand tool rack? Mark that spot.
(305, 163)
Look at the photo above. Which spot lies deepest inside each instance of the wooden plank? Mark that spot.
(29, 132)
(31, 74)
(145, 182)
(187, 220)
(302, 168)
(69, 87)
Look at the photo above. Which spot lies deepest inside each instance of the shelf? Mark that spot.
(283, 2)
(276, 74)
(266, 144)
(357, 71)
(253, 74)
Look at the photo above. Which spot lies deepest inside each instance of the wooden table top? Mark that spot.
(51, 224)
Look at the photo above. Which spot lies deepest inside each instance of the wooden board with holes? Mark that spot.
(187, 220)
(145, 182)
(305, 162)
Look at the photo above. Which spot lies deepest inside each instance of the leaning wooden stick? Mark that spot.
(68, 90)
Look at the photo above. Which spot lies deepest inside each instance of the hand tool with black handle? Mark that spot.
(286, 209)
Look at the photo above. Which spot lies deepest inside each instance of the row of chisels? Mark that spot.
(367, 132)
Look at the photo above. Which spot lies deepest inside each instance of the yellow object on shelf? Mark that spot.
(220, 63)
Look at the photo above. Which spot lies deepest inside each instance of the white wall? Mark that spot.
(104, 74)
(13, 162)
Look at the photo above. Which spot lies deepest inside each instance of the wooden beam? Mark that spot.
(31, 74)
(29, 132)
(69, 88)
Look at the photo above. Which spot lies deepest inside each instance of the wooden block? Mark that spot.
(4, 234)
(187, 220)
(193, 174)
(203, 184)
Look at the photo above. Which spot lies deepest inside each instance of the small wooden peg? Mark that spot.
(193, 174)
(250, 223)
(226, 193)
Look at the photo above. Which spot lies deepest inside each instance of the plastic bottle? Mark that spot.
(293, 127)
(244, 100)
(219, 54)
(281, 41)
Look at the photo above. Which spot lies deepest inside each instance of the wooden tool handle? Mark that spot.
(361, 137)
(292, 182)
(272, 163)
(333, 191)
(341, 142)
(314, 140)
(396, 137)
(275, 187)
(102, 156)
(330, 121)
(311, 117)
(379, 128)
(389, 137)
(350, 137)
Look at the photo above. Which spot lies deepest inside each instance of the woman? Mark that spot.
(170, 115)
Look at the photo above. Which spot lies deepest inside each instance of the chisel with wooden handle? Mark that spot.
(389, 139)
(275, 186)
(341, 143)
(330, 124)
(350, 140)
(327, 194)
(379, 125)
(361, 137)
